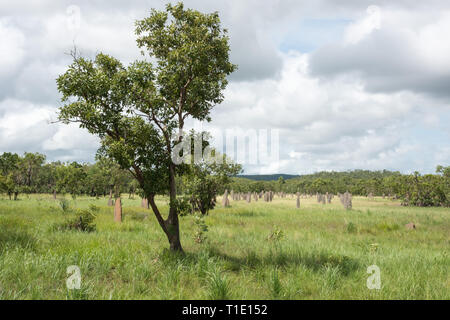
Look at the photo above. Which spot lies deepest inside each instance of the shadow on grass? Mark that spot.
(315, 261)
(248, 213)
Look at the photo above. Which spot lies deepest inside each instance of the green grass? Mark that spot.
(253, 251)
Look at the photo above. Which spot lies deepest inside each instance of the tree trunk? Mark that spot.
(173, 226)
(15, 195)
(170, 227)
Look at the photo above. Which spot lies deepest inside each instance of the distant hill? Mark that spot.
(267, 177)
(353, 174)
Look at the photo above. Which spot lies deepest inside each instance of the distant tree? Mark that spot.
(96, 181)
(71, 179)
(2, 183)
(45, 179)
(4, 187)
(133, 188)
(9, 166)
(8, 163)
(281, 183)
(444, 171)
(114, 178)
(204, 180)
(29, 166)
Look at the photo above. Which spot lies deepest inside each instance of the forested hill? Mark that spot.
(354, 174)
(267, 177)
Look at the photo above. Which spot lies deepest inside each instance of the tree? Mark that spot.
(8, 163)
(139, 111)
(3, 184)
(29, 166)
(281, 183)
(203, 180)
(114, 178)
(71, 178)
(9, 186)
(9, 166)
(45, 180)
(96, 181)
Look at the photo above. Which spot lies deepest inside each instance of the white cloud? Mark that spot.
(71, 138)
(404, 50)
(325, 124)
(23, 125)
(12, 48)
(31, 127)
(363, 27)
(375, 97)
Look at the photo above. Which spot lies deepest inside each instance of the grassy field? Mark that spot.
(253, 251)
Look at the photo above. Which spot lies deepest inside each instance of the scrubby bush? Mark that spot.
(200, 229)
(94, 209)
(351, 228)
(83, 221)
(385, 226)
(203, 191)
(276, 235)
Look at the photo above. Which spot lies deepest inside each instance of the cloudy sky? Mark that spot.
(349, 84)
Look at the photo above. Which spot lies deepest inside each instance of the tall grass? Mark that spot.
(254, 251)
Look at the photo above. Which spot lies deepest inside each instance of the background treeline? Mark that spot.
(267, 177)
(31, 173)
(198, 185)
(413, 189)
